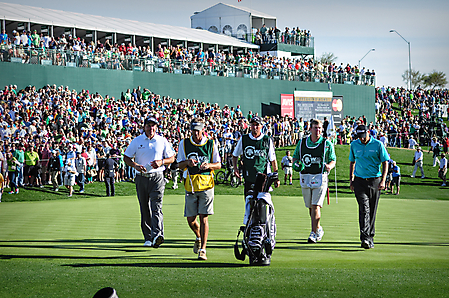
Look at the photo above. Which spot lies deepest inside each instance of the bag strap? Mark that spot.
(324, 156)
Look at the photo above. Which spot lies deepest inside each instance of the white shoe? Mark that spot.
(422, 177)
(148, 243)
(319, 234)
(202, 255)
(312, 237)
(197, 245)
(444, 184)
(412, 176)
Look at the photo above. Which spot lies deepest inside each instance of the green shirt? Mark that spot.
(19, 155)
(146, 95)
(31, 158)
(312, 157)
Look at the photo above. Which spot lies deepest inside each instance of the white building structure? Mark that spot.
(231, 20)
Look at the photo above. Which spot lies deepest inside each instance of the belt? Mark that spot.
(367, 179)
(148, 175)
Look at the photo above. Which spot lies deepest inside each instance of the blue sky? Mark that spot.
(349, 29)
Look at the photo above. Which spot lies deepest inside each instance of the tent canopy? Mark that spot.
(59, 18)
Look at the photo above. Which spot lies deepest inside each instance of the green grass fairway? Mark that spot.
(72, 248)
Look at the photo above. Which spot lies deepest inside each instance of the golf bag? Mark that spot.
(260, 230)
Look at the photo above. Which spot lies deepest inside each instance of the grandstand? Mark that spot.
(244, 78)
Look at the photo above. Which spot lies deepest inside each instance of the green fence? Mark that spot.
(115, 61)
(249, 94)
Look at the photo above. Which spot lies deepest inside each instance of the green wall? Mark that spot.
(248, 93)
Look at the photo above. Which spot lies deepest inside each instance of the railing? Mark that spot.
(291, 39)
(131, 63)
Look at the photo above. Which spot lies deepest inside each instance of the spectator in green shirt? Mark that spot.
(31, 162)
(19, 155)
(35, 39)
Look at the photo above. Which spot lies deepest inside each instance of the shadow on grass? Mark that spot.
(345, 246)
(194, 264)
(122, 245)
(62, 191)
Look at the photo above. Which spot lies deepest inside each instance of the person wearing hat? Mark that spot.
(198, 157)
(258, 155)
(314, 158)
(418, 158)
(396, 174)
(148, 154)
(69, 175)
(412, 143)
(366, 180)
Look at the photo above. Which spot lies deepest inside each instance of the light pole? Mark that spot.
(372, 50)
(409, 59)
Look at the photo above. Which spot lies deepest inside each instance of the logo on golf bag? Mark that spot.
(256, 237)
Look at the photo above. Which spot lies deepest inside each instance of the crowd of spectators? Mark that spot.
(41, 129)
(294, 36)
(65, 50)
(404, 119)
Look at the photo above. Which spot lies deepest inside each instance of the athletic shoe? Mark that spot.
(319, 234)
(82, 191)
(444, 184)
(366, 244)
(422, 177)
(197, 245)
(17, 191)
(202, 255)
(291, 183)
(175, 187)
(56, 189)
(371, 245)
(158, 241)
(285, 183)
(148, 243)
(412, 176)
(69, 195)
(11, 192)
(312, 238)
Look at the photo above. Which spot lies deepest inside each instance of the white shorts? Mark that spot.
(69, 179)
(288, 170)
(315, 196)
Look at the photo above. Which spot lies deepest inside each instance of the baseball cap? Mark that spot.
(256, 119)
(197, 125)
(361, 130)
(151, 119)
